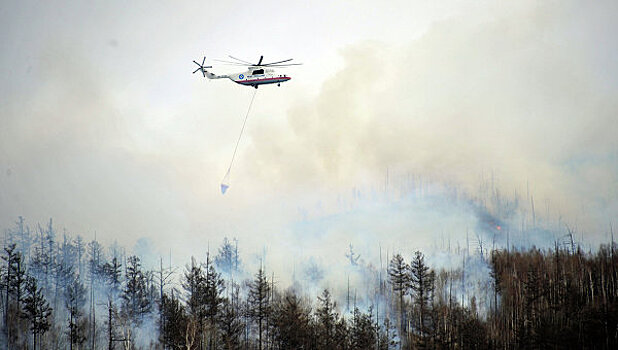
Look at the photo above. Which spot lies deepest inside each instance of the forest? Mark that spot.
(62, 292)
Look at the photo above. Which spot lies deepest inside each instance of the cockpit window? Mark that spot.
(258, 71)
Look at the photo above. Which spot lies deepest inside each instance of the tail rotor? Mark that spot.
(202, 67)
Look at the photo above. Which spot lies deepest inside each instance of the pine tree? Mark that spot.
(64, 275)
(292, 322)
(36, 310)
(327, 319)
(227, 260)
(363, 333)
(342, 334)
(174, 323)
(113, 275)
(13, 286)
(230, 323)
(388, 336)
(422, 286)
(135, 297)
(96, 259)
(259, 302)
(195, 286)
(16, 273)
(399, 278)
(213, 288)
(41, 262)
(74, 301)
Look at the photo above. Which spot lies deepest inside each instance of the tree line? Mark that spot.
(65, 293)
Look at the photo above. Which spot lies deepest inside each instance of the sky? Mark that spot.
(104, 128)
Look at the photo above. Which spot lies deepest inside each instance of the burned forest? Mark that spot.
(60, 291)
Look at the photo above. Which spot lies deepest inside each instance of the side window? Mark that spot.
(258, 71)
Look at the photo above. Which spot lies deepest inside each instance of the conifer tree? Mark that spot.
(327, 316)
(231, 325)
(75, 300)
(342, 334)
(388, 337)
(399, 278)
(213, 288)
(362, 333)
(135, 295)
(422, 286)
(36, 310)
(195, 286)
(13, 288)
(113, 275)
(259, 302)
(175, 320)
(292, 322)
(227, 260)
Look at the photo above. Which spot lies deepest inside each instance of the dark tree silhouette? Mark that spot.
(231, 326)
(195, 286)
(13, 289)
(213, 288)
(292, 324)
(422, 286)
(74, 301)
(112, 271)
(326, 316)
(259, 302)
(399, 278)
(550, 299)
(36, 310)
(172, 331)
(362, 332)
(135, 295)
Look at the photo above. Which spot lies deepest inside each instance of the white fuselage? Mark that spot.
(255, 76)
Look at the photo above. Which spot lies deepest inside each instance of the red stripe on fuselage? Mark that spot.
(263, 81)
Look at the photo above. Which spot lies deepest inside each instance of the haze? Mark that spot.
(104, 128)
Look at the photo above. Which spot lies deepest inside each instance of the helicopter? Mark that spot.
(256, 74)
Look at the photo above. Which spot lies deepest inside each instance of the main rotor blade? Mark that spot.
(238, 59)
(283, 65)
(234, 63)
(260, 61)
(266, 64)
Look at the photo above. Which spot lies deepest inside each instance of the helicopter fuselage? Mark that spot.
(256, 76)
